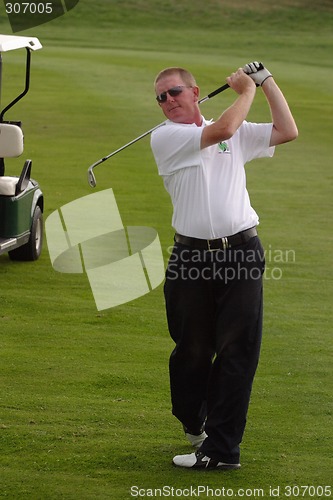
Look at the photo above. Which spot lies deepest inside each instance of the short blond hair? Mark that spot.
(185, 75)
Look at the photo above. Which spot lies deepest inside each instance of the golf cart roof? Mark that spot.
(12, 42)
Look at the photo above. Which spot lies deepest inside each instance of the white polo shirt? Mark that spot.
(208, 186)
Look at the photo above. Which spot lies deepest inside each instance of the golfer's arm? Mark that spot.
(284, 126)
(230, 120)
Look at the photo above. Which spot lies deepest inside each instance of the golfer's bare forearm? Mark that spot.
(230, 120)
(284, 126)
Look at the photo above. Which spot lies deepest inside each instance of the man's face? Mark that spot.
(181, 108)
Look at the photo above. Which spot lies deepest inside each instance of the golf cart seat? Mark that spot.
(8, 185)
(13, 186)
(11, 140)
(11, 146)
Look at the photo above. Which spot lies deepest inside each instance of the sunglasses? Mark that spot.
(172, 93)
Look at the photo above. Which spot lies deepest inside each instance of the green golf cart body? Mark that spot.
(21, 199)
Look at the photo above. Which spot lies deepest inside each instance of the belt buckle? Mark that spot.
(224, 241)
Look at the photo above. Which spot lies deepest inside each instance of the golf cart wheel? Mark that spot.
(33, 248)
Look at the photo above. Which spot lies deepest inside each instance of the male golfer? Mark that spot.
(213, 287)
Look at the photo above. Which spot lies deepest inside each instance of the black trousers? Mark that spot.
(214, 312)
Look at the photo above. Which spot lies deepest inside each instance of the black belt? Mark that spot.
(217, 243)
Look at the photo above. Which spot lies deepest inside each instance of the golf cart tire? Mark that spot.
(33, 248)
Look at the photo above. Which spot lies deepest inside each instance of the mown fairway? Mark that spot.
(84, 400)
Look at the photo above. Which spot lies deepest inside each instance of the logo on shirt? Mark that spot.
(224, 148)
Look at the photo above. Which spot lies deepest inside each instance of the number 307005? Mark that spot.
(29, 8)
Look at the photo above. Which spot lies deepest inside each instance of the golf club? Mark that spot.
(91, 175)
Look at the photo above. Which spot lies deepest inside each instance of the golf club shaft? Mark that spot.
(91, 175)
(215, 92)
(126, 145)
(212, 94)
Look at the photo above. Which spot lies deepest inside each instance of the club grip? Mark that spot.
(215, 92)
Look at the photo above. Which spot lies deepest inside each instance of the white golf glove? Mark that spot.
(257, 72)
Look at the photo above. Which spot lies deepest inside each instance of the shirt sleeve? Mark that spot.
(176, 146)
(256, 137)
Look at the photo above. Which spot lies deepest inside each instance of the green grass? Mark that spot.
(84, 399)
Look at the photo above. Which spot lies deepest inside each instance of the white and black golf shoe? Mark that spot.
(200, 461)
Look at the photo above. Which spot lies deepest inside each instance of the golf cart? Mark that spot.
(21, 200)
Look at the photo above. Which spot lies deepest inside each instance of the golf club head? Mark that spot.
(91, 178)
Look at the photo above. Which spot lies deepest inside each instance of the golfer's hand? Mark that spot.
(257, 72)
(240, 82)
